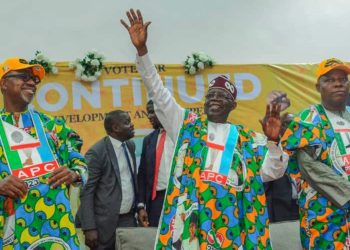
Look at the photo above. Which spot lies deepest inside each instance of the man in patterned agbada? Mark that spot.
(39, 159)
(215, 197)
(318, 142)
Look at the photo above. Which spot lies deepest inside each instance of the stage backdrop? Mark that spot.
(83, 104)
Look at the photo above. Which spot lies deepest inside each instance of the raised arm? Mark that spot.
(276, 161)
(169, 113)
(137, 31)
(271, 123)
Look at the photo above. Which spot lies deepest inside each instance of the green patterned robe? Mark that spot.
(322, 224)
(224, 217)
(43, 218)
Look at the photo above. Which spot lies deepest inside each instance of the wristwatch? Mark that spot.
(78, 176)
(140, 206)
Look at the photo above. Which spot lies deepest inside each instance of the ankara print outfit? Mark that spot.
(228, 199)
(322, 224)
(33, 145)
(216, 177)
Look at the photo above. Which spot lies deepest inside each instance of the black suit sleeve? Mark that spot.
(87, 194)
(142, 175)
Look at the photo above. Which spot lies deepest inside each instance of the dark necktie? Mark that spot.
(131, 172)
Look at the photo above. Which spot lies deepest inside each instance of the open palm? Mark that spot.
(137, 29)
(271, 123)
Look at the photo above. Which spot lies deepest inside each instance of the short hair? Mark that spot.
(112, 118)
(150, 102)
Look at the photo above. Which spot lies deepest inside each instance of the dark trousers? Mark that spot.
(125, 220)
(155, 209)
(281, 206)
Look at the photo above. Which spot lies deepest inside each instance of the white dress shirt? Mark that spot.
(165, 162)
(171, 116)
(125, 176)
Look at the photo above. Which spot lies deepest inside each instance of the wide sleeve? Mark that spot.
(168, 111)
(322, 178)
(271, 158)
(275, 163)
(67, 144)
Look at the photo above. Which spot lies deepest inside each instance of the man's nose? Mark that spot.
(214, 96)
(341, 82)
(30, 82)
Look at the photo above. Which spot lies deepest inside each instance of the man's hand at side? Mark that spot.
(91, 238)
(62, 175)
(13, 187)
(143, 217)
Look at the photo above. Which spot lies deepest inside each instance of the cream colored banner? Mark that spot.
(83, 104)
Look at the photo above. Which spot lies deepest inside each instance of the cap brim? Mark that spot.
(340, 67)
(37, 69)
(343, 67)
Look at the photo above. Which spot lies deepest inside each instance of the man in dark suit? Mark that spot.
(281, 197)
(154, 171)
(109, 198)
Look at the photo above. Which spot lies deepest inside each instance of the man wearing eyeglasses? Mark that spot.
(217, 167)
(318, 142)
(39, 160)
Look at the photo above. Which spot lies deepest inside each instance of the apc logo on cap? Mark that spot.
(230, 87)
(332, 61)
(23, 61)
(211, 83)
(5, 68)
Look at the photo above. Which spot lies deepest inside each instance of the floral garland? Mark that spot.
(48, 65)
(196, 62)
(89, 68)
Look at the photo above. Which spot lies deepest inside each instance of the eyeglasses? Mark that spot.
(25, 77)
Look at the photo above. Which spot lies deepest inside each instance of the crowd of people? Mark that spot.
(204, 182)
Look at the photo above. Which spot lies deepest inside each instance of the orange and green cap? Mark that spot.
(329, 64)
(17, 63)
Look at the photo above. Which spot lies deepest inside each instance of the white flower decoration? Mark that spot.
(95, 62)
(200, 65)
(192, 70)
(197, 61)
(203, 58)
(48, 65)
(54, 71)
(191, 60)
(89, 68)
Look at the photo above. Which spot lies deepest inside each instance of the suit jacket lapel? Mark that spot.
(153, 145)
(131, 148)
(113, 157)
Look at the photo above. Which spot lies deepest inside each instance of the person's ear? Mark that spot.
(318, 87)
(3, 85)
(115, 128)
(234, 105)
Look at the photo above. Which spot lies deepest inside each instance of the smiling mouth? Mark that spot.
(339, 92)
(30, 91)
(214, 106)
